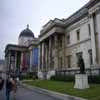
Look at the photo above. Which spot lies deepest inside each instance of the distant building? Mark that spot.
(59, 45)
(2, 67)
(24, 56)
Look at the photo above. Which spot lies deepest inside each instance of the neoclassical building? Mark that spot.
(59, 45)
(62, 41)
(22, 57)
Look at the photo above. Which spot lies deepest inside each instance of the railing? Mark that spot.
(89, 71)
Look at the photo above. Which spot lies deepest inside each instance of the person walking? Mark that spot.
(8, 88)
(14, 88)
(1, 83)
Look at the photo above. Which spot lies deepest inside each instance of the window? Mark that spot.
(89, 28)
(68, 39)
(69, 61)
(90, 56)
(78, 34)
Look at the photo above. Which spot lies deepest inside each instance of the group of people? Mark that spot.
(10, 85)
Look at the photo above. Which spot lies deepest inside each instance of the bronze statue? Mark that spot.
(81, 65)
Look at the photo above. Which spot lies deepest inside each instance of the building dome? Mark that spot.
(26, 33)
(25, 37)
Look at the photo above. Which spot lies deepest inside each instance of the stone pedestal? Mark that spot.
(46, 75)
(40, 75)
(81, 81)
(50, 74)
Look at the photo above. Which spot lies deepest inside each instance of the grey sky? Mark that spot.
(16, 14)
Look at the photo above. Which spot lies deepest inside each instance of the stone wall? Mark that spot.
(75, 46)
(89, 40)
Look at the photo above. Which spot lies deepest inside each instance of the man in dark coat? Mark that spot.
(8, 88)
(1, 83)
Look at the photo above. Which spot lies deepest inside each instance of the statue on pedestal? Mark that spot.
(81, 65)
(81, 79)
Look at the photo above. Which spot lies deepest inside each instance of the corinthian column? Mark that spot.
(46, 56)
(43, 58)
(15, 60)
(50, 52)
(56, 52)
(93, 42)
(9, 60)
(98, 34)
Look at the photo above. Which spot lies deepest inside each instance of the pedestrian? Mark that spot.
(1, 83)
(8, 88)
(14, 87)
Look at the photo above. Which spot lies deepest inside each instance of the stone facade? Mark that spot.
(62, 41)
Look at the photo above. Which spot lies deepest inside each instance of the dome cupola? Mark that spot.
(25, 37)
(26, 33)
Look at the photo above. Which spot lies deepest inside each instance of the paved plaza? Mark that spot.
(26, 94)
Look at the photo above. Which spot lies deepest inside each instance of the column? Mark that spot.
(98, 32)
(9, 61)
(56, 52)
(93, 41)
(15, 60)
(63, 50)
(50, 52)
(46, 57)
(23, 58)
(42, 56)
(6, 63)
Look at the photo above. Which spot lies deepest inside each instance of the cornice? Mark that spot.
(77, 24)
(52, 23)
(95, 9)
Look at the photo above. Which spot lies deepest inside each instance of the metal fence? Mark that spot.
(89, 71)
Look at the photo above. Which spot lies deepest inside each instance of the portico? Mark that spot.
(14, 58)
(49, 47)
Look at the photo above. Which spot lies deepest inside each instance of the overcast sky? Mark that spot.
(16, 14)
